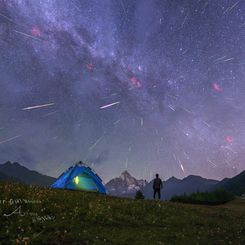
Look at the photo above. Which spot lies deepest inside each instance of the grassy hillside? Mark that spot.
(50, 216)
(4, 177)
(215, 197)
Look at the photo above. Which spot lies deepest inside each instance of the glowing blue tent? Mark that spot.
(80, 177)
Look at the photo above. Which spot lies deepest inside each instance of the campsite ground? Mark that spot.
(45, 216)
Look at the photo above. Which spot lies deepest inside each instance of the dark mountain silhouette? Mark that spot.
(125, 185)
(4, 177)
(22, 174)
(235, 185)
(174, 186)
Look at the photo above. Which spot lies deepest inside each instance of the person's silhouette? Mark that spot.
(157, 186)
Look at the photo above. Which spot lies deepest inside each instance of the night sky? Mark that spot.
(144, 85)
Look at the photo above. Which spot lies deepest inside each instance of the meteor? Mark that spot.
(117, 122)
(50, 113)
(97, 141)
(213, 164)
(181, 166)
(171, 107)
(27, 35)
(109, 105)
(10, 139)
(37, 107)
(141, 121)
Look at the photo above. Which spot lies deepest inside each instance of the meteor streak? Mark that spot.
(212, 163)
(50, 113)
(181, 166)
(27, 35)
(171, 107)
(116, 122)
(37, 107)
(10, 139)
(97, 141)
(141, 121)
(109, 105)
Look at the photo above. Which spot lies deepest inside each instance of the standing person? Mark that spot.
(157, 186)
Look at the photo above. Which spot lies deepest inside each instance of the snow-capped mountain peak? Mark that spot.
(125, 185)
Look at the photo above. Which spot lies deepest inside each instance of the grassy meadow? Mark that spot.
(34, 215)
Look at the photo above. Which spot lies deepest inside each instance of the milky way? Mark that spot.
(151, 86)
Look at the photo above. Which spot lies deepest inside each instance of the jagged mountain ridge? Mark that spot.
(125, 185)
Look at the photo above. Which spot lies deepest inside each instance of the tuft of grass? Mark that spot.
(74, 217)
(215, 197)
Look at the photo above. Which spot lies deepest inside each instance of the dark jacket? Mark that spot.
(157, 183)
